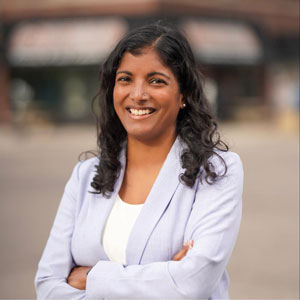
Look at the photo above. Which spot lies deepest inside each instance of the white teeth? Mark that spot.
(139, 112)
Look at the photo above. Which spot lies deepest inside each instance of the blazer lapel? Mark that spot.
(103, 206)
(157, 201)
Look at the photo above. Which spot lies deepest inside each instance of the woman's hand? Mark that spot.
(181, 253)
(77, 277)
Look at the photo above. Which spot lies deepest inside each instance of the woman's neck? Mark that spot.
(148, 153)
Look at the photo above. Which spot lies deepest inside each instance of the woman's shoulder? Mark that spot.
(89, 163)
(227, 160)
(228, 156)
(85, 168)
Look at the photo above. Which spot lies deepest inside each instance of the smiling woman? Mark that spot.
(147, 98)
(156, 214)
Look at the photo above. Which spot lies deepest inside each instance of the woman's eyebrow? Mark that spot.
(158, 73)
(148, 75)
(126, 72)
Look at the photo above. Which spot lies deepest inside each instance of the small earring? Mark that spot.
(183, 105)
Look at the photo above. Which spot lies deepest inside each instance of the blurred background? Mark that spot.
(248, 50)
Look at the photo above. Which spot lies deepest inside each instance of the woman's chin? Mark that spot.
(141, 136)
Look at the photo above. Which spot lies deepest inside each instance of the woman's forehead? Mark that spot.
(147, 58)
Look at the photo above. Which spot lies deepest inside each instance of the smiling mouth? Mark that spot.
(141, 112)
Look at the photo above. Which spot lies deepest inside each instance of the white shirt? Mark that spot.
(118, 227)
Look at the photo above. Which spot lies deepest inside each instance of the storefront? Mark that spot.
(231, 56)
(55, 64)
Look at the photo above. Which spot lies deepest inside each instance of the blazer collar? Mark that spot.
(157, 201)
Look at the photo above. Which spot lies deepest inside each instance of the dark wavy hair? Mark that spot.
(195, 125)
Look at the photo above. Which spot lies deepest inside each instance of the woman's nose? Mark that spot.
(138, 92)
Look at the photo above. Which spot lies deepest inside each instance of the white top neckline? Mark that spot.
(118, 228)
(118, 198)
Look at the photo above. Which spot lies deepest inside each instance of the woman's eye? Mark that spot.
(123, 79)
(157, 81)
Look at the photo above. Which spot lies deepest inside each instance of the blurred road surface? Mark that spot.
(35, 165)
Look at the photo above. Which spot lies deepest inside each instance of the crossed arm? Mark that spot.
(78, 275)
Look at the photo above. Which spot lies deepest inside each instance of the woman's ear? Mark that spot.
(182, 102)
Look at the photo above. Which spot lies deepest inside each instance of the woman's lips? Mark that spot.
(140, 113)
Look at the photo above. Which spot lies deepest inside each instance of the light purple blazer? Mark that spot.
(208, 214)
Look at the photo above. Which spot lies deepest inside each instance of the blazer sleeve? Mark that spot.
(56, 262)
(213, 225)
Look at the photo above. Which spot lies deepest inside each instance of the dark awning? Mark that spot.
(68, 42)
(219, 42)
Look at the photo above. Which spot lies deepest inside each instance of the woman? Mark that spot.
(163, 177)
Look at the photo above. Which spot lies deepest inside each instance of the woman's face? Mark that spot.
(146, 96)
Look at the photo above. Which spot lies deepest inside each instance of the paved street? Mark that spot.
(35, 164)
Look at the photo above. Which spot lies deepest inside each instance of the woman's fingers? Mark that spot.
(179, 255)
(77, 277)
(186, 247)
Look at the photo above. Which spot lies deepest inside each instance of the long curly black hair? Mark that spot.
(195, 125)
